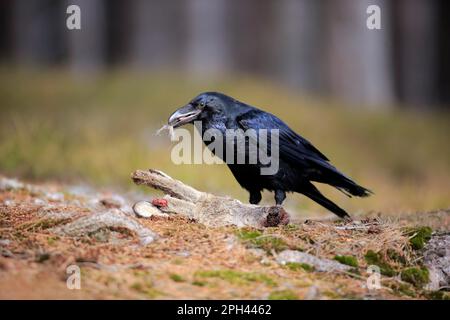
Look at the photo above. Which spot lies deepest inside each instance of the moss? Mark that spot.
(291, 227)
(52, 240)
(42, 224)
(396, 256)
(403, 289)
(295, 266)
(256, 239)
(418, 277)
(237, 277)
(42, 257)
(419, 236)
(437, 295)
(246, 234)
(347, 260)
(283, 295)
(332, 295)
(177, 278)
(375, 258)
(177, 261)
(355, 271)
(199, 283)
(146, 289)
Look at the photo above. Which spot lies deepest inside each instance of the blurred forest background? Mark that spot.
(83, 105)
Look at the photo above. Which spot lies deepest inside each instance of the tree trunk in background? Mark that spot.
(36, 32)
(359, 58)
(207, 39)
(417, 51)
(300, 44)
(444, 53)
(118, 16)
(6, 34)
(155, 25)
(87, 47)
(252, 23)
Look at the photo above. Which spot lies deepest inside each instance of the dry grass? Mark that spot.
(191, 260)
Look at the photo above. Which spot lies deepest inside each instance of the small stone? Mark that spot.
(10, 184)
(4, 242)
(184, 253)
(55, 196)
(145, 240)
(9, 203)
(39, 202)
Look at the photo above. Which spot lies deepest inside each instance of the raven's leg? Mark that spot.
(255, 197)
(280, 195)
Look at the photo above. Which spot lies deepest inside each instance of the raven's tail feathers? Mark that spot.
(314, 194)
(351, 188)
(330, 175)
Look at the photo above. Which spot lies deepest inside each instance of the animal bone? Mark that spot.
(206, 208)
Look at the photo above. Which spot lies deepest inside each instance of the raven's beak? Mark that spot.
(184, 115)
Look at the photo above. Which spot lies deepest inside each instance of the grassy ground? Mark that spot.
(56, 127)
(191, 261)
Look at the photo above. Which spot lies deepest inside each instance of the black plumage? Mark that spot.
(300, 162)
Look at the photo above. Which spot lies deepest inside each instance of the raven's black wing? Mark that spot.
(300, 153)
(292, 146)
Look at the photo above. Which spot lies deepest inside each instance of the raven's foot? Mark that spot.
(255, 197)
(280, 195)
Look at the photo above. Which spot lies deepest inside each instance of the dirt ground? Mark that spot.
(188, 260)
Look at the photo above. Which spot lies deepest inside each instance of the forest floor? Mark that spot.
(188, 260)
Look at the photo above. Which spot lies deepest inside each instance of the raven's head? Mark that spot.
(201, 107)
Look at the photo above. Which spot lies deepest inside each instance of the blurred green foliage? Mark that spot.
(99, 129)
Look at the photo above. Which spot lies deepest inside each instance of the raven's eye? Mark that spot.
(201, 104)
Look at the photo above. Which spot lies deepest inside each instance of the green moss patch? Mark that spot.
(396, 256)
(146, 289)
(283, 295)
(257, 239)
(418, 277)
(419, 236)
(437, 295)
(375, 258)
(199, 283)
(42, 224)
(404, 289)
(295, 266)
(237, 277)
(347, 260)
(176, 277)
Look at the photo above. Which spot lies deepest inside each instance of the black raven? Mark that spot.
(299, 161)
